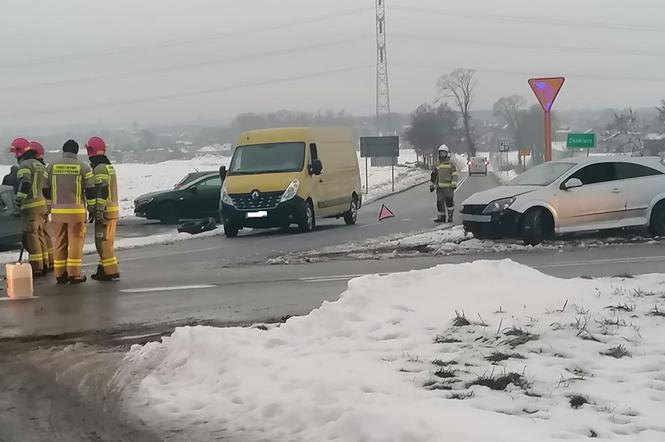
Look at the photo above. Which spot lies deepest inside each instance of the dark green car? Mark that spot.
(196, 196)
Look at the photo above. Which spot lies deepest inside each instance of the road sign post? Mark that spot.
(379, 147)
(581, 141)
(546, 90)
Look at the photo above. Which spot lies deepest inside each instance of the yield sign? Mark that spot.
(385, 213)
(546, 90)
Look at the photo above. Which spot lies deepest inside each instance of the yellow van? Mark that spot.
(280, 177)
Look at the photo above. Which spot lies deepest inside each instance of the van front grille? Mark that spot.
(252, 201)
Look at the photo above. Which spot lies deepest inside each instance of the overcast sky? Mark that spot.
(70, 62)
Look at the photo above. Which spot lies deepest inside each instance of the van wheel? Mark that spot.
(230, 230)
(657, 221)
(168, 213)
(537, 225)
(351, 216)
(309, 220)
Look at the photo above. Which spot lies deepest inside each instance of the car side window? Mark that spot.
(626, 171)
(215, 182)
(596, 173)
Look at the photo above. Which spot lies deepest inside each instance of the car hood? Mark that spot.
(497, 193)
(146, 196)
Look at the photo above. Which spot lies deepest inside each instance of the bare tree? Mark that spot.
(626, 131)
(661, 111)
(510, 110)
(459, 86)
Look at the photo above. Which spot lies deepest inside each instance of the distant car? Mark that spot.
(10, 226)
(572, 195)
(478, 166)
(195, 196)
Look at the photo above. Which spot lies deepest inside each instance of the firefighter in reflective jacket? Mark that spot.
(444, 181)
(71, 187)
(30, 203)
(106, 209)
(47, 242)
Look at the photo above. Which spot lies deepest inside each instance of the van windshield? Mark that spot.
(268, 158)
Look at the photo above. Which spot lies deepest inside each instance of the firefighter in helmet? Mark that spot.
(31, 204)
(106, 209)
(71, 186)
(444, 181)
(47, 242)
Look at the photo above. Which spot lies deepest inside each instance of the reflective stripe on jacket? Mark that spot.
(446, 175)
(69, 178)
(105, 176)
(33, 173)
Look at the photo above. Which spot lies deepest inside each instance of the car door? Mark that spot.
(599, 203)
(320, 184)
(203, 198)
(10, 226)
(641, 184)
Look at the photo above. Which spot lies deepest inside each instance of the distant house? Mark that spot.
(654, 144)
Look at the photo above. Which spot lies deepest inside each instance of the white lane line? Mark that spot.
(168, 289)
(337, 277)
(603, 262)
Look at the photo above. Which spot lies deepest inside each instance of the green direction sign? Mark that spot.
(379, 147)
(581, 141)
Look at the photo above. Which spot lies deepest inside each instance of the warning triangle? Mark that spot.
(385, 213)
(546, 90)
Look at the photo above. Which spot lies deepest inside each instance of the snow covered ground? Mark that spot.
(444, 240)
(128, 243)
(137, 179)
(480, 352)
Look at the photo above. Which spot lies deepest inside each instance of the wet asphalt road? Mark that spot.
(202, 280)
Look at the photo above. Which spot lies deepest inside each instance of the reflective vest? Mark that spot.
(446, 175)
(69, 178)
(105, 176)
(33, 172)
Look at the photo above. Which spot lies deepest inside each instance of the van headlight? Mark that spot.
(226, 199)
(143, 201)
(290, 191)
(499, 205)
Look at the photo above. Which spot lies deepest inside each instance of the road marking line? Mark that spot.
(604, 261)
(338, 277)
(168, 289)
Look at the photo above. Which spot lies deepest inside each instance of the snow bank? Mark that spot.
(130, 243)
(387, 363)
(137, 179)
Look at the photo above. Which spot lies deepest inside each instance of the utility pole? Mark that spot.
(382, 92)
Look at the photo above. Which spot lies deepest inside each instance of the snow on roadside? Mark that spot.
(424, 356)
(137, 179)
(130, 243)
(444, 240)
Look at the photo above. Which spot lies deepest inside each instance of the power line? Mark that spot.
(182, 42)
(530, 20)
(182, 67)
(248, 85)
(539, 47)
(535, 73)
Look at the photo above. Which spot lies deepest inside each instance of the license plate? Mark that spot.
(476, 218)
(261, 214)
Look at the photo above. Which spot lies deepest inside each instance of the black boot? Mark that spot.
(78, 280)
(99, 275)
(64, 279)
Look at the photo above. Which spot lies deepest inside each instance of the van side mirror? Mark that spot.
(316, 168)
(222, 172)
(193, 189)
(572, 184)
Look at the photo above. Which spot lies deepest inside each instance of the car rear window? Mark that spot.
(627, 171)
